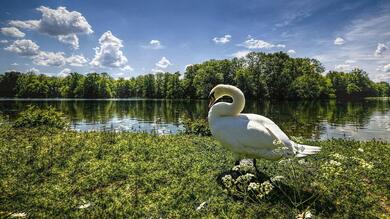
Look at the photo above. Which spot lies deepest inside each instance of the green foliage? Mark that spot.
(196, 127)
(258, 75)
(107, 175)
(36, 117)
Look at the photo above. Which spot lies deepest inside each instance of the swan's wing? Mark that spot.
(271, 127)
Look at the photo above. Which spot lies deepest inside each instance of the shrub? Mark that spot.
(36, 117)
(196, 126)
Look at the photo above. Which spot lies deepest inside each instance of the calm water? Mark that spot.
(365, 119)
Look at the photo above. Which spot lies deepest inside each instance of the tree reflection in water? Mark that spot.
(363, 119)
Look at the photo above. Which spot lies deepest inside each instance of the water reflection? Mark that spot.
(364, 119)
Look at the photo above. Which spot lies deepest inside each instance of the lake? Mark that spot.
(363, 119)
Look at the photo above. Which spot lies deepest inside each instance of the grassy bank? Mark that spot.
(72, 174)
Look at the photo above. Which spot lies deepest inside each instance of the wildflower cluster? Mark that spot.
(243, 182)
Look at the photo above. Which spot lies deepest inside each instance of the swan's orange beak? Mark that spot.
(211, 100)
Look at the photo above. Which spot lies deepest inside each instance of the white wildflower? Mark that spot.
(245, 178)
(335, 163)
(228, 181)
(201, 206)
(265, 188)
(360, 150)
(253, 186)
(338, 156)
(277, 178)
(86, 205)
(364, 164)
(22, 214)
(244, 167)
(302, 162)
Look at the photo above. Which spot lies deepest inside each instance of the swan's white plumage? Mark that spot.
(250, 135)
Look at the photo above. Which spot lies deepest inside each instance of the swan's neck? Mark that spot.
(229, 109)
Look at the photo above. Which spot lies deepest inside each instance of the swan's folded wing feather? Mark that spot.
(272, 128)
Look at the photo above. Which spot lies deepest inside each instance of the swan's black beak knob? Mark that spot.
(211, 99)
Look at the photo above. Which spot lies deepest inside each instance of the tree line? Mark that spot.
(258, 75)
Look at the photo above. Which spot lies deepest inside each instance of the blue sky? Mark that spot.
(129, 38)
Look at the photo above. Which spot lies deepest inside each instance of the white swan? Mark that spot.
(249, 135)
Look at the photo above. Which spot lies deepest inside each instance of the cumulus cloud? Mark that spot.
(155, 44)
(339, 41)
(291, 52)
(33, 70)
(186, 66)
(65, 72)
(4, 41)
(252, 43)
(222, 40)
(59, 23)
(163, 63)
(28, 24)
(380, 49)
(109, 54)
(76, 60)
(343, 67)
(241, 54)
(50, 59)
(12, 32)
(70, 39)
(23, 47)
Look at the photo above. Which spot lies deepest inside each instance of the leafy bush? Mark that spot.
(196, 127)
(36, 117)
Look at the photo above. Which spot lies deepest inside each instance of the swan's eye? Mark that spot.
(211, 99)
(211, 95)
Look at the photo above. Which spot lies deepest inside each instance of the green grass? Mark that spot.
(52, 174)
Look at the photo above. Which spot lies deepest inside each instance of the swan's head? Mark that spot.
(221, 90)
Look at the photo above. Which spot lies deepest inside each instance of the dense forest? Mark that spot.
(259, 75)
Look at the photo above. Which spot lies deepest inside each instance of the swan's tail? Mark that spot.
(305, 150)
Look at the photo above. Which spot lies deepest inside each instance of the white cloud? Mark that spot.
(76, 60)
(4, 41)
(65, 72)
(50, 59)
(241, 54)
(12, 32)
(23, 48)
(260, 44)
(380, 49)
(70, 39)
(386, 68)
(33, 70)
(163, 63)
(186, 66)
(109, 54)
(155, 44)
(15, 64)
(343, 67)
(291, 52)
(28, 24)
(222, 40)
(339, 41)
(60, 23)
